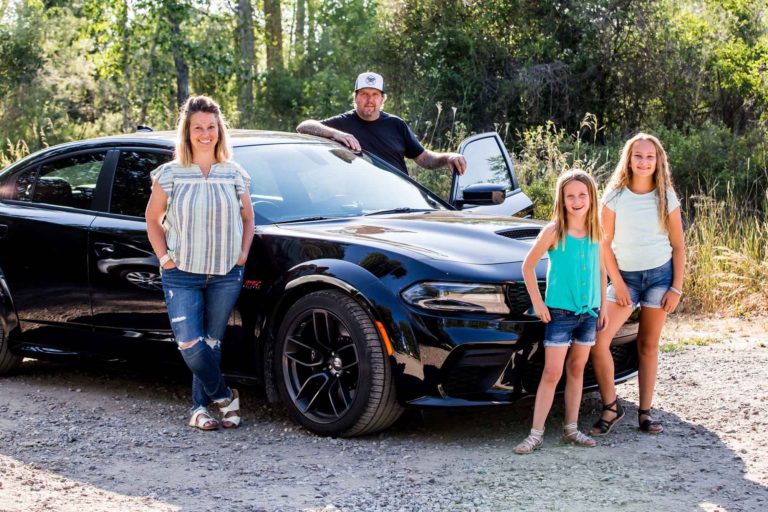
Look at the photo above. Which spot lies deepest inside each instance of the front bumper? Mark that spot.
(473, 362)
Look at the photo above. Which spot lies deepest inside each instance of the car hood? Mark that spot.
(443, 235)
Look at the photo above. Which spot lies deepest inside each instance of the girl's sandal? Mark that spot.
(603, 427)
(202, 419)
(572, 434)
(534, 440)
(649, 425)
(230, 409)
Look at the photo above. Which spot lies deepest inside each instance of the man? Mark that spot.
(386, 136)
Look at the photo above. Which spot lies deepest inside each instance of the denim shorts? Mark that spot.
(646, 287)
(566, 327)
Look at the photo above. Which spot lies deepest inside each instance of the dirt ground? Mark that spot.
(84, 438)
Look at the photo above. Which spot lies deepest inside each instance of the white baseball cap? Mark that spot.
(369, 79)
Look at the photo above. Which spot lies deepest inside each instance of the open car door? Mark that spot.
(489, 167)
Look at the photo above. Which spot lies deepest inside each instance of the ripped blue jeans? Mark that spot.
(199, 306)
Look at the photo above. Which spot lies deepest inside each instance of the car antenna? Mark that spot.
(144, 128)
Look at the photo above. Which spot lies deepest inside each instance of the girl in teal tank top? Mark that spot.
(572, 312)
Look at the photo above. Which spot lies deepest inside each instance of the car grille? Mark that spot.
(475, 370)
(624, 360)
(518, 299)
(519, 234)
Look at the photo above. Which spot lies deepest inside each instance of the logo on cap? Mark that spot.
(370, 79)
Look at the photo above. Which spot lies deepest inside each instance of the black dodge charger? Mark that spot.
(364, 292)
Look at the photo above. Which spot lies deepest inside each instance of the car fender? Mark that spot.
(381, 303)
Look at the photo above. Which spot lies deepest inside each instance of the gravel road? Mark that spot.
(113, 438)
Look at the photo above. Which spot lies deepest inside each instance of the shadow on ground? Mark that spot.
(121, 428)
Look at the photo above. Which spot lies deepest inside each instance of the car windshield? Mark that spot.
(294, 182)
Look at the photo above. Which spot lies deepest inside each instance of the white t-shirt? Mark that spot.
(639, 242)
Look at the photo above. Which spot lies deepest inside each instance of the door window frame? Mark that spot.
(109, 176)
(35, 167)
(507, 160)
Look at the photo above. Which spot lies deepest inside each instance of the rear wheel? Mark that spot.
(8, 361)
(331, 368)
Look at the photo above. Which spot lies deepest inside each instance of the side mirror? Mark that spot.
(482, 194)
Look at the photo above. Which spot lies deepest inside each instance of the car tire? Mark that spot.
(8, 360)
(331, 369)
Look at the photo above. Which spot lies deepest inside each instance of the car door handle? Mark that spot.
(3, 230)
(102, 248)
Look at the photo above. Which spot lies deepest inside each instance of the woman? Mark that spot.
(200, 224)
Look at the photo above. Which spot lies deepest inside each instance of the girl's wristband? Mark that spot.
(165, 259)
(676, 290)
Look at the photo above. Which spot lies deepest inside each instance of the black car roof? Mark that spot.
(166, 139)
(237, 137)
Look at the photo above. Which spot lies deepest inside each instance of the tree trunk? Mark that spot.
(247, 65)
(301, 21)
(176, 13)
(125, 64)
(273, 30)
(310, 30)
(149, 72)
(182, 69)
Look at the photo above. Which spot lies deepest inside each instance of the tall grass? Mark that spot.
(12, 152)
(727, 258)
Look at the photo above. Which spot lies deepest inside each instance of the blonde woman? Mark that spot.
(200, 224)
(572, 309)
(645, 255)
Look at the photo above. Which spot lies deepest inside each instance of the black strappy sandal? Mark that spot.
(603, 427)
(650, 426)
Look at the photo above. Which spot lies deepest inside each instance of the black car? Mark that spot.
(364, 293)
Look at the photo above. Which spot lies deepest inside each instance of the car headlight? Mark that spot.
(458, 297)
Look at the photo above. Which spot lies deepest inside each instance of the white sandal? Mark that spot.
(534, 440)
(230, 409)
(203, 420)
(572, 434)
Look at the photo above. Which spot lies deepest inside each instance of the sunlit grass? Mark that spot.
(695, 341)
(727, 267)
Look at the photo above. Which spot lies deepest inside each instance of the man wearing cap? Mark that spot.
(386, 136)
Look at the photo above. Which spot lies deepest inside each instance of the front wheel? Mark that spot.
(331, 368)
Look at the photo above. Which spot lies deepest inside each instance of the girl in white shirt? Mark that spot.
(644, 252)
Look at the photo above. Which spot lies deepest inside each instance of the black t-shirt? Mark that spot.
(388, 137)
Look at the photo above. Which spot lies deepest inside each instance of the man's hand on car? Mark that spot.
(457, 163)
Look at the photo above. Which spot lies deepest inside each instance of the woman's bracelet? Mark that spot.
(676, 290)
(165, 259)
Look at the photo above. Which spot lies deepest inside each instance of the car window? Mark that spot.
(485, 164)
(65, 182)
(132, 184)
(294, 181)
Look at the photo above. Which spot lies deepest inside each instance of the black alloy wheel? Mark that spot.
(331, 367)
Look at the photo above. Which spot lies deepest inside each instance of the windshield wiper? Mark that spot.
(400, 210)
(303, 219)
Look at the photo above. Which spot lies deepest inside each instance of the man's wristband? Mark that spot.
(165, 259)
(676, 290)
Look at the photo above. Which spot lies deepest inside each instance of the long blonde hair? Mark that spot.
(662, 177)
(559, 213)
(193, 105)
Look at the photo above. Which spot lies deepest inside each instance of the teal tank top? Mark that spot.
(573, 275)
